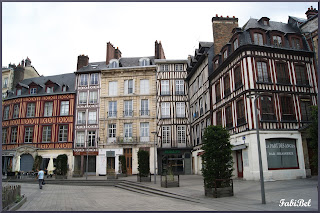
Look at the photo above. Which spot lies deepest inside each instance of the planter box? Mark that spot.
(144, 179)
(61, 176)
(170, 181)
(11, 174)
(112, 177)
(226, 191)
(122, 175)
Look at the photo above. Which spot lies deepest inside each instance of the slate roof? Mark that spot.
(298, 19)
(205, 44)
(282, 27)
(60, 80)
(134, 61)
(92, 67)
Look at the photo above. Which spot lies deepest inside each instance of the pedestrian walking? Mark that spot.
(40, 178)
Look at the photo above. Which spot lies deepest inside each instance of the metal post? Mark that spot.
(154, 157)
(87, 161)
(259, 152)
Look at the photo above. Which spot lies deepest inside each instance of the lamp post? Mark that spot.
(87, 160)
(263, 197)
(154, 155)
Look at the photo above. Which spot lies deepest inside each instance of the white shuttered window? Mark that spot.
(113, 88)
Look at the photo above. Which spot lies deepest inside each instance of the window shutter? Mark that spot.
(126, 86)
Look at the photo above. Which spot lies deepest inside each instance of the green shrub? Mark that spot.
(217, 159)
(143, 163)
(37, 163)
(62, 164)
(122, 159)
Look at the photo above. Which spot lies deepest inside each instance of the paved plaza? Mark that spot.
(108, 198)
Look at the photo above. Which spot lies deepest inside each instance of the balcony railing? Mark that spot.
(165, 92)
(179, 92)
(128, 113)
(81, 122)
(112, 114)
(92, 121)
(144, 112)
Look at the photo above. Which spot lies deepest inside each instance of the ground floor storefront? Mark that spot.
(281, 152)
(177, 161)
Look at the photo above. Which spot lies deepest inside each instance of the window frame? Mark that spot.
(14, 135)
(94, 79)
(282, 74)
(83, 81)
(93, 99)
(165, 84)
(267, 108)
(237, 77)
(165, 110)
(261, 61)
(181, 134)
(166, 138)
(63, 136)
(6, 112)
(181, 109)
(63, 108)
(45, 109)
(287, 109)
(33, 110)
(80, 143)
(46, 135)
(226, 85)
(229, 117)
(112, 130)
(218, 91)
(241, 117)
(83, 116)
(28, 134)
(302, 72)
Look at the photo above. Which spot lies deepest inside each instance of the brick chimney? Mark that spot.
(311, 12)
(159, 53)
(83, 60)
(27, 62)
(112, 53)
(222, 31)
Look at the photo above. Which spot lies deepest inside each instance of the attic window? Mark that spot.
(64, 88)
(265, 22)
(94, 66)
(114, 63)
(33, 90)
(49, 89)
(144, 62)
(18, 91)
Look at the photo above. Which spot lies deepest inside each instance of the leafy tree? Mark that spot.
(143, 163)
(123, 164)
(313, 134)
(37, 163)
(217, 158)
(62, 164)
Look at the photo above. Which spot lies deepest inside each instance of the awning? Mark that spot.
(200, 153)
(243, 146)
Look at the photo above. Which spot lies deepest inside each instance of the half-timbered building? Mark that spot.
(272, 61)
(173, 127)
(38, 119)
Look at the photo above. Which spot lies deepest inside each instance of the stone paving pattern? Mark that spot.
(107, 198)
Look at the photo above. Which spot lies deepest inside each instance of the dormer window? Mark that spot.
(33, 90)
(216, 64)
(265, 23)
(50, 89)
(64, 88)
(144, 62)
(225, 54)
(295, 43)
(18, 91)
(114, 63)
(258, 38)
(277, 41)
(235, 44)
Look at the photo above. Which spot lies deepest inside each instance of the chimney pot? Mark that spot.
(233, 16)
(227, 16)
(221, 16)
(217, 15)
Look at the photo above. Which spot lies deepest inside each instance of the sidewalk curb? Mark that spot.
(18, 205)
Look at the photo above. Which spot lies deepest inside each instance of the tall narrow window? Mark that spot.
(18, 91)
(144, 86)
(64, 108)
(225, 54)
(226, 85)
(219, 118)
(165, 110)
(258, 39)
(5, 83)
(46, 134)
(235, 44)
(305, 105)
(83, 97)
(128, 86)
(94, 79)
(165, 87)
(267, 109)
(83, 79)
(295, 43)
(14, 134)
(301, 75)
(144, 107)
(240, 113)
(63, 133)
(93, 97)
(179, 87)
(181, 136)
(144, 129)
(112, 113)
(4, 136)
(216, 64)
(80, 139)
(113, 85)
(91, 138)
(112, 130)
(237, 77)
(50, 89)
(48, 106)
(287, 108)
(282, 73)
(263, 73)
(218, 94)
(92, 117)
(28, 134)
(166, 136)
(81, 117)
(6, 113)
(128, 108)
(179, 67)
(31, 110)
(229, 120)
(128, 130)
(181, 111)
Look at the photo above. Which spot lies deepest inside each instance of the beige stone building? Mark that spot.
(127, 113)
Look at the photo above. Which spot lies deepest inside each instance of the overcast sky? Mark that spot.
(52, 35)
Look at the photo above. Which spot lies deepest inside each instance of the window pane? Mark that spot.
(48, 109)
(113, 85)
(46, 134)
(93, 97)
(64, 110)
(80, 139)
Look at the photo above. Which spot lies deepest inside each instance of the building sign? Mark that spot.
(172, 152)
(281, 153)
(110, 154)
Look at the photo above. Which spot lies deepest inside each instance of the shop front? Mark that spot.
(177, 161)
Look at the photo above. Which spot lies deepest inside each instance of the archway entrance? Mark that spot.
(26, 162)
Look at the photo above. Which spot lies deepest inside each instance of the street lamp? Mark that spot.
(154, 155)
(255, 97)
(87, 160)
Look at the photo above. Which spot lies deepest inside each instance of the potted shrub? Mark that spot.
(123, 165)
(61, 167)
(37, 163)
(217, 162)
(168, 179)
(143, 166)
